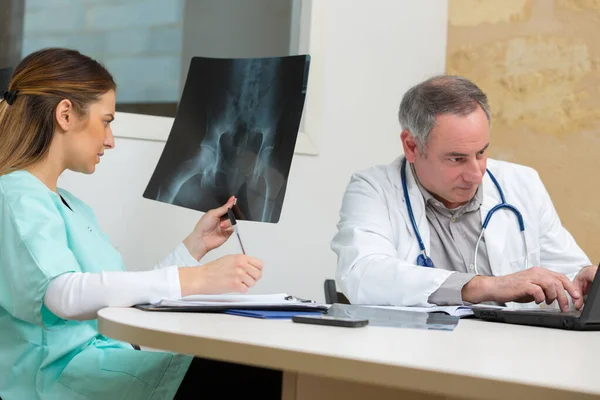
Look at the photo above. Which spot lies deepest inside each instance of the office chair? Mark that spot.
(332, 295)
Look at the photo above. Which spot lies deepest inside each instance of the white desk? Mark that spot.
(478, 360)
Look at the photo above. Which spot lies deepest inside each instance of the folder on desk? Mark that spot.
(221, 303)
(270, 314)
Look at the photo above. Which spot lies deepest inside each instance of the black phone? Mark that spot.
(325, 319)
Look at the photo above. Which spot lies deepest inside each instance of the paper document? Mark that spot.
(397, 317)
(457, 311)
(235, 300)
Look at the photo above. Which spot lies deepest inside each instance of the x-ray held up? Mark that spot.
(234, 135)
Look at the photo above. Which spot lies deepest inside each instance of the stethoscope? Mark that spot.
(424, 260)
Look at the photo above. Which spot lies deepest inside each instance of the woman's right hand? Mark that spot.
(233, 273)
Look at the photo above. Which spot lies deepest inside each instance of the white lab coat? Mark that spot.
(377, 248)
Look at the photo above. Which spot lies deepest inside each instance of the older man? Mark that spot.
(410, 233)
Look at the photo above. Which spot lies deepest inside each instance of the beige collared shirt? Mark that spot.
(453, 235)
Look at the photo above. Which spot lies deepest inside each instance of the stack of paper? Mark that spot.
(457, 311)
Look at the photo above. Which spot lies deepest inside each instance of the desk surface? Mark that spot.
(478, 359)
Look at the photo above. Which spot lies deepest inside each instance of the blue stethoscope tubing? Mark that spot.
(424, 260)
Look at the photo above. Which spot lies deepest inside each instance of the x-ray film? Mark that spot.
(234, 135)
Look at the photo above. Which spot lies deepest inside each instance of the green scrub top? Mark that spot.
(41, 355)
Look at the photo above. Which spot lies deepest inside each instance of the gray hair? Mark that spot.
(443, 94)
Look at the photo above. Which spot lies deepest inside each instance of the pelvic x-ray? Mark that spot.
(234, 135)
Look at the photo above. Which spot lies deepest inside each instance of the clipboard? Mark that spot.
(222, 303)
(222, 308)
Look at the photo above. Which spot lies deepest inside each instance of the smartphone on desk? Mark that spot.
(325, 319)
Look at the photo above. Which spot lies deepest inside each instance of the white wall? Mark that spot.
(228, 28)
(376, 50)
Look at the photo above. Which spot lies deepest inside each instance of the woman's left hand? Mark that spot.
(210, 232)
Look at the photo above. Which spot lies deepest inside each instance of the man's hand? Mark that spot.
(583, 282)
(534, 284)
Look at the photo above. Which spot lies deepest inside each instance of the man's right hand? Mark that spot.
(233, 273)
(533, 284)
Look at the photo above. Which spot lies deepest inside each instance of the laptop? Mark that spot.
(586, 319)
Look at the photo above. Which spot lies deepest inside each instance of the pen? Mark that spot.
(235, 228)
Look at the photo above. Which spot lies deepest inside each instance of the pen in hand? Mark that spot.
(235, 228)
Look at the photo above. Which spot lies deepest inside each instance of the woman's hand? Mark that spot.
(233, 273)
(210, 232)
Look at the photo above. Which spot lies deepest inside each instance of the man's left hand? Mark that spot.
(583, 282)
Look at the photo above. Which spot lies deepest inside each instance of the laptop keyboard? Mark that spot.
(546, 311)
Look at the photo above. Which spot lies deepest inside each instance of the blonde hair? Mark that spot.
(39, 83)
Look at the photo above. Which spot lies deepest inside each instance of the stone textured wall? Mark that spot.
(539, 63)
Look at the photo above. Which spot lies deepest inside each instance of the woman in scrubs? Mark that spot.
(57, 268)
